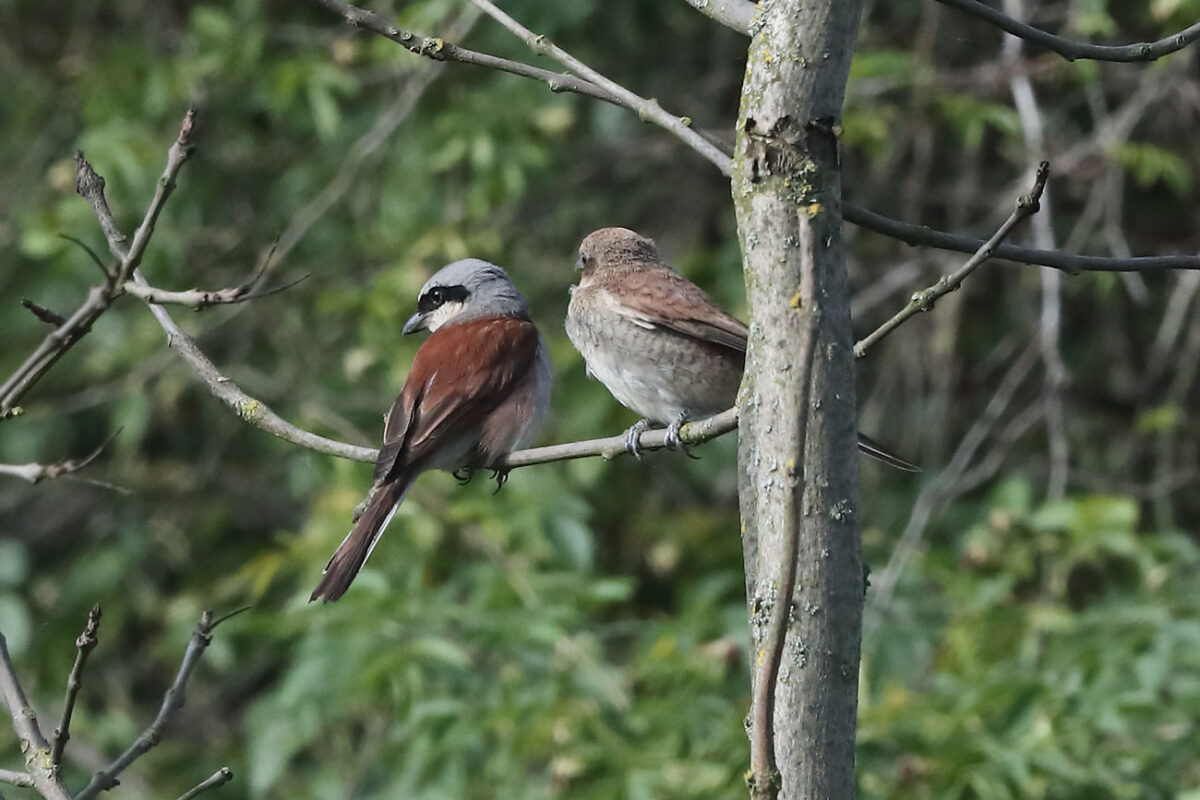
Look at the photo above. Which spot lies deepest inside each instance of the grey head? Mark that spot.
(463, 291)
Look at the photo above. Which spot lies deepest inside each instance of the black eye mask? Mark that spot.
(438, 296)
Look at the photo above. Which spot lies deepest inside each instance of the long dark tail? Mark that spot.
(876, 451)
(352, 553)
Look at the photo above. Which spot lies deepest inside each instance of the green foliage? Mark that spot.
(1149, 164)
(1064, 665)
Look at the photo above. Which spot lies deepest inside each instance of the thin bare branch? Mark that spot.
(42, 313)
(1027, 206)
(99, 298)
(386, 123)
(219, 778)
(85, 643)
(248, 408)
(719, 155)
(36, 473)
(1070, 262)
(646, 109)
(609, 448)
(736, 14)
(34, 746)
(173, 700)
(179, 152)
(82, 245)
(21, 779)
(946, 485)
(441, 50)
(739, 15)
(199, 299)
(90, 186)
(1050, 320)
(1071, 49)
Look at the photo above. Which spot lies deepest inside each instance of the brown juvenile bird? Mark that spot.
(478, 389)
(657, 341)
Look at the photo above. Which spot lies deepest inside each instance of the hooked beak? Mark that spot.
(415, 323)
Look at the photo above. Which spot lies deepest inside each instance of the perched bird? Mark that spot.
(656, 340)
(478, 389)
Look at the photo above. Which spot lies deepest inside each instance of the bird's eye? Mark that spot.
(430, 300)
(440, 295)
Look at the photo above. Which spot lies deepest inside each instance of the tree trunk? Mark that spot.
(797, 404)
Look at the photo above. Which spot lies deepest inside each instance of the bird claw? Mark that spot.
(632, 437)
(674, 442)
(501, 478)
(463, 475)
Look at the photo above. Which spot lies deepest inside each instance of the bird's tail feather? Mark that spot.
(877, 451)
(352, 553)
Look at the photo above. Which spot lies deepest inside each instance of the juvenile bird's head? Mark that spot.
(616, 247)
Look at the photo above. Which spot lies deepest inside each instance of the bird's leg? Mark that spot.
(362, 507)
(632, 446)
(463, 475)
(673, 441)
(501, 478)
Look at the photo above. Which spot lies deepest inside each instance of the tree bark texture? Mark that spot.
(797, 462)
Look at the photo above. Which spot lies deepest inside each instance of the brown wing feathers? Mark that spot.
(663, 297)
(460, 374)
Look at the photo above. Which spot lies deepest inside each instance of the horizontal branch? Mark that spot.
(22, 779)
(1071, 49)
(1027, 206)
(739, 15)
(609, 448)
(36, 473)
(193, 298)
(199, 299)
(1068, 262)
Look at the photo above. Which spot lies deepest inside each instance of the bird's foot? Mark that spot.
(673, 441)
(632, 445)
(501, 478)
(361, 508)
(463, 475)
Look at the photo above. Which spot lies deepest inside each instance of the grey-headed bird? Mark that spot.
(657, 341)
(478, 389)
